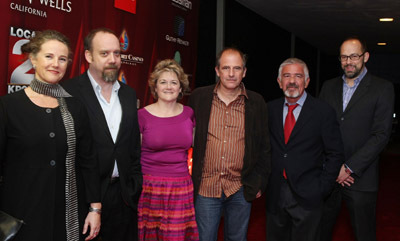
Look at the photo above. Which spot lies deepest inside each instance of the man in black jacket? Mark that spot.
(307, 153)
(113, 116)
(364, 106)
(231, 161)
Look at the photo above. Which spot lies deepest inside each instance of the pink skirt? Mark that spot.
(166, 209)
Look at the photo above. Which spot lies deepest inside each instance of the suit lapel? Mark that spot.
(338, 100)
(92, 103)
(359, 93)
(305, 115)
(278, 120)
(126, 108)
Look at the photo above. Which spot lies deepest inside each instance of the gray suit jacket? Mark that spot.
(365, 125)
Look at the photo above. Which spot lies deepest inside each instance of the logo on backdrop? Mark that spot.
(20, 71)
(179, 31)
(126, 5)
(121, 77)
(124, 40)
(182, 4)
(177, 57)
(61, 5)
(128, 58)
(179, 26)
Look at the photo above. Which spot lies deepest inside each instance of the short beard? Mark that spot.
(292, 95)
(110, 76)
(354, 74)
(295, 94)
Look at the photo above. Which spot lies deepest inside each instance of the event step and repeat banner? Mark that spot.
(148, 30)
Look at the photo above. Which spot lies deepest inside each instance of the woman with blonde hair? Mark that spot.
(166, 210)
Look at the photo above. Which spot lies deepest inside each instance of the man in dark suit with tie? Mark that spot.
(307, 153)
(113, 115)
(364, 106)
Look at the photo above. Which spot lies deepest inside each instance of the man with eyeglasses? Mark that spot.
(364, 106)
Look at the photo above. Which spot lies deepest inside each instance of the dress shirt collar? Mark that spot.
(97, 87)
(241, 86)
(299, 101)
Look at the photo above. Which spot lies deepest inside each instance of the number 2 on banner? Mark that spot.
(19, 75)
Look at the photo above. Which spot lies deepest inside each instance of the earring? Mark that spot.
(34, 66)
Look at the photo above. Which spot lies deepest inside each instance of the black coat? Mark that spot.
(312, 157)
(126, 149)
(365, 125)
(33, 151)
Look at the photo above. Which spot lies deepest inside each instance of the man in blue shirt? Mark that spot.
(364, 106)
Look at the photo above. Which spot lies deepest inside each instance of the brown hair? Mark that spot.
(169, 65)
(88, 42)
(234, 49)
(34, 45)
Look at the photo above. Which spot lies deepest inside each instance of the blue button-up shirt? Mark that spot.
(349, 91)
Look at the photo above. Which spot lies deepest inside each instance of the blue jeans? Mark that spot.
(236, 216)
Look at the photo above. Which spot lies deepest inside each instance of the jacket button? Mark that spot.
(52, 134)
(48, 110)
(52, 163)
(285, 155)
(342, 118)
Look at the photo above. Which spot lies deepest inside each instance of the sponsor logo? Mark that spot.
(126, 5)
(176, 40)
(61, 5)
(121, 77)
(177, 57)
(124, 40)
(20, 71)
(29, 10)
(184, 4)
(128, 58)
(179, 26)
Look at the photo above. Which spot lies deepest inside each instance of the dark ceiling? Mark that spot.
(325, 23)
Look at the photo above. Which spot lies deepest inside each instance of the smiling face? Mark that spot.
(231, 70)
(50, 62)
(104, 58)
(293, 82)
(353, 68)
(168, 87)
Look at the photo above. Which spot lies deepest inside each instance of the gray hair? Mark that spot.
(293, 61)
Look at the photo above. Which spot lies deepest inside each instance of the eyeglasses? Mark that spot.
(352, 57)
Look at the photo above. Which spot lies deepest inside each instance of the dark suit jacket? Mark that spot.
(365, 125)
(312, 157)
(256, 160)
(126, 150)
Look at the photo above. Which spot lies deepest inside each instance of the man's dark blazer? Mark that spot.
(365, 125)
(256, 160)
(312, 157)
(126, 149)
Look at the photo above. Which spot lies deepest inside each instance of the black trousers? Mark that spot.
(362, 210)
(292, 222)
(118, 220)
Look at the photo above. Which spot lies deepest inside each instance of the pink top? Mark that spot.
(165, 142)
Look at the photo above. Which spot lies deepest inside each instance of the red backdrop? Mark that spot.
(149, 31)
